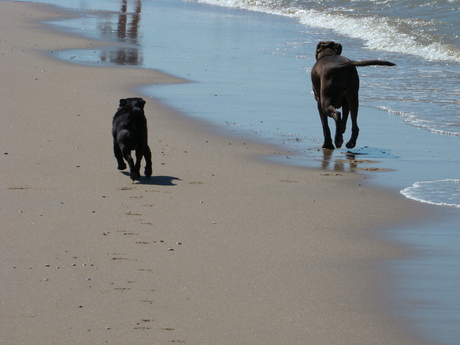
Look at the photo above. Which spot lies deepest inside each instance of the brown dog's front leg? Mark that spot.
(345, 112)
(354, 124)
(326, 131)
(332, 112)
(338, 133)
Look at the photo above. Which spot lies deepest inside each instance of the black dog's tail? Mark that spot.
(367, 63)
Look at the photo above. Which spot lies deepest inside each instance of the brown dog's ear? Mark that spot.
(319, 48)
(322, 46)
(338, 48)
(122, 102)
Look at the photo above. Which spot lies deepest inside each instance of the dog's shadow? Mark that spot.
(156, 180)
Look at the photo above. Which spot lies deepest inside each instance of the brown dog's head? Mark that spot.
(332, 47)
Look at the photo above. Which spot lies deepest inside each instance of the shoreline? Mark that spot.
(256, 256)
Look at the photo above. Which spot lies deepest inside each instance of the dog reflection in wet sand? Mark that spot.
(336, 85)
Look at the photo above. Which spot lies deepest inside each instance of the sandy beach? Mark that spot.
(218, 247)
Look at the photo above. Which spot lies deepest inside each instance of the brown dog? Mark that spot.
(335, 85)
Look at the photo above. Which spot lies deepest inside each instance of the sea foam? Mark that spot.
(439, 192)
(384, 33)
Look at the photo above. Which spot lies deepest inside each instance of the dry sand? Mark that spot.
(218, 247)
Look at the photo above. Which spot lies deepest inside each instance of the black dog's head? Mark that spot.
(327, 48)
(131, 103)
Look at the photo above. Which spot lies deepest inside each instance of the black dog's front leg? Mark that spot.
(118, 156)
(133, 173)
(148, 161)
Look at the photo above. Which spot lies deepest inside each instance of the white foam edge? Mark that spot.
(408, 192)
(375, 31)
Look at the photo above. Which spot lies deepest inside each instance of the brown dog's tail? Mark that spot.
(367, 63)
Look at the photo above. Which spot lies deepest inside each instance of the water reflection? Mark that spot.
(330, 162)
(368, 159)
(364, 159)
(126, 31)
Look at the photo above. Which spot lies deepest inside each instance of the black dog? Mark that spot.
(335, 85)
(129, 130)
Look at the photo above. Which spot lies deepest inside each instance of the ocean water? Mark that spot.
(422, 38)
(441, 192)
(248, 65)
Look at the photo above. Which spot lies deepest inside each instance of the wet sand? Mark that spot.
(218, 247)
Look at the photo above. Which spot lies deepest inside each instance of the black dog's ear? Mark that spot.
(122, 102)
(140, 103)
(338, 48)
